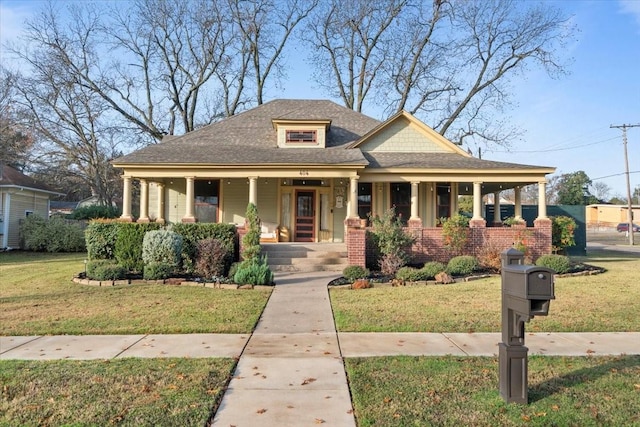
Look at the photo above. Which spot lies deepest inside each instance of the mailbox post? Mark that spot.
(526, 292)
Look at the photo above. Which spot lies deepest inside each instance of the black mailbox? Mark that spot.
(531, 283)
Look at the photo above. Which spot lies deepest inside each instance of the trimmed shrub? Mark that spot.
(251, 239)
(430, 269)
(95, 211)
(53, 235)
(212, 259)
(105, 270)
(233, 269)
(353, 272)
(490, 257)
(455, 233)
(158, 270)
(100, 238)
(254, 272)
(128, 248)
(562, 232)
(192, 233)
(408, 274)
(162, 246)
(559, 263)
(462, 265)
(392, 241)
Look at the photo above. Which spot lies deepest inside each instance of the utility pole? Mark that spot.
(626, 163)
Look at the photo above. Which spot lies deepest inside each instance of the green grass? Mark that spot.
(455, 391)
(124, 392)
(598, 303)
(37, 297)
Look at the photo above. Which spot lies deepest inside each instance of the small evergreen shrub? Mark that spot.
(455, 233)
(100, 238)
(392, 241)
(462, 265)
(408, 274)
(157, 270)
(105, 270)
(430, 269)
(559, 263)
(353, 272)
(128, 247)
(33, 233)
(233, 269)
(562, 232)
(162, 246)
(253, 272)
(212, 259)
(251, 239)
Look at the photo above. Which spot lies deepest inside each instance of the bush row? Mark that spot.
(52, 235)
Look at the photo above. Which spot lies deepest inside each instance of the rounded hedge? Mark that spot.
(558, 263)
(353, 272)
(462, 265)
(430, 269)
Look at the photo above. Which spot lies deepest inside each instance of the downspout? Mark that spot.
(5, 223)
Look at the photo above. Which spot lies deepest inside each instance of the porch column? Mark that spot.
(518, 204)
(253, 190)
(353, 197)
(542, 200)
(477, 200)
(414, 200)
(496, 207)
(190, 202)
(160, 217)
(144, 201)
(126, 199)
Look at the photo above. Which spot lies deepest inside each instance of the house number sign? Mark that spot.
(304, 172)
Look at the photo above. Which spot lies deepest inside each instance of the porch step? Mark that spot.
(306, 257)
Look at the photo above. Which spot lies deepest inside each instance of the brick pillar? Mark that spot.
(543, 231)
(356, 242)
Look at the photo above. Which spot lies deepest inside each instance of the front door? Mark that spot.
(305, 225)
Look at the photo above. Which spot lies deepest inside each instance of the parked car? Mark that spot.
(624, 226)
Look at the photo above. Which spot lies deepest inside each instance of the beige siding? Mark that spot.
(267, 200)
(153, 200)
(174, 204)
(235, 198)
(401, 136)
(21, 202)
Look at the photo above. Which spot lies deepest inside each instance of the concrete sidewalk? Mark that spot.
(290, 370)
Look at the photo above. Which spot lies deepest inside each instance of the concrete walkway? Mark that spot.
(290, 370)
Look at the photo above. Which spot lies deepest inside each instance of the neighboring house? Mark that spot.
(315, 169)
(609, 216)
(20, 196)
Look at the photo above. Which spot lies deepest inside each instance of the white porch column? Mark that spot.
(496, 207)
(477, 200)
(144, 201)
(414, 200)
(353, 197)
(190, 202)
(126, 199)
(518, 204)
(542, 199)
(160, 218)
(253, 190)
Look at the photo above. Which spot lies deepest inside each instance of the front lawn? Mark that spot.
(463, 391)
(124, 392)
(599, 303)
(37, 297)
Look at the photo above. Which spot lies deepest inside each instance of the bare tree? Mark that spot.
(16, 140)
(601, 191)
(350, 44)
(449, 62)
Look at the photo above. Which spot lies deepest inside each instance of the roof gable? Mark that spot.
(11, 177)
(403, 133)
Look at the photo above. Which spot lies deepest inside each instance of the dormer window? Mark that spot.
(299, 133)
(301, 136)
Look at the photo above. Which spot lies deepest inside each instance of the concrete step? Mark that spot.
(306, 257)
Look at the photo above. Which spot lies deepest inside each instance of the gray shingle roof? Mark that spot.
(249, 138)
(436, 161)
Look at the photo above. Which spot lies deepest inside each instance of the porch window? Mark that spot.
(364, 199)
(301, 137)
(207, 203)
(443, 200)
(401, 200)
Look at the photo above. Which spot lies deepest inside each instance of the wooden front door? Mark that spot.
(305, 224)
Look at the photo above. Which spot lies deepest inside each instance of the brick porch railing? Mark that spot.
(429, 245)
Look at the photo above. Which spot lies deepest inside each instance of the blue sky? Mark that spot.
(567, 121)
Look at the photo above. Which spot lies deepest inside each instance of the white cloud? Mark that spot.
(631, 7)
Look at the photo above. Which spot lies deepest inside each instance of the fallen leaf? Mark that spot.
(319, 421)
(589, 351)
(290, 406)
(308, 381)
(526, 418)
(636, 386)
(261, 411)
(387, 399)
(555, 407)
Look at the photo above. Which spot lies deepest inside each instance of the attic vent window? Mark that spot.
(301, 136)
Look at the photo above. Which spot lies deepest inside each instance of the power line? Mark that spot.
(555, 149)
